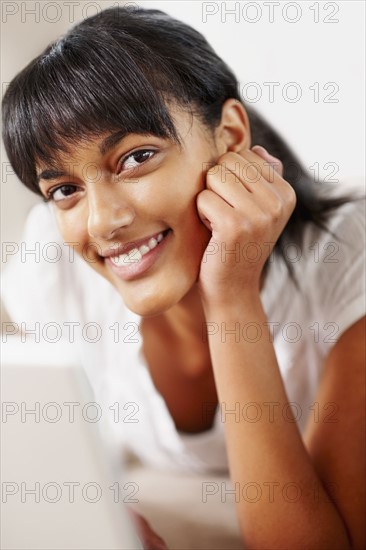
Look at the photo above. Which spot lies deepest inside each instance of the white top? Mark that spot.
(306, 325)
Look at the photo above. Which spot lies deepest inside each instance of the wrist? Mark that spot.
(241, 307)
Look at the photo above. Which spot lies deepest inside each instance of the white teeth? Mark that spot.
(152, 243)
(132, 257)
(144, 249)
(119, 260)
(136, 254)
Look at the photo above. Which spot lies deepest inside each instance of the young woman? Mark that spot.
(245, 278)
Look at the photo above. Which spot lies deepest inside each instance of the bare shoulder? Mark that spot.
(335, 437)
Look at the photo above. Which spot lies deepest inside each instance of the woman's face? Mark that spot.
(138, 194)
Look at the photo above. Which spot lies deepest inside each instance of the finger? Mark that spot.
(242, 186)
(150, 540)
(228, 185)
(250, 168)
(212, 208)
(221, 218)
(270, 168)
(273, 161)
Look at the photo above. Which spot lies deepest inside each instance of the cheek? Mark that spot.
(171, 193)
(179, 203)
(72, 226)
(184, 179)
(191, 183)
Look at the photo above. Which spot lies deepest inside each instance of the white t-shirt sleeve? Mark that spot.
(335, 275)
(34, 275)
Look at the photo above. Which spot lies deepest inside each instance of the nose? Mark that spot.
(108, 213)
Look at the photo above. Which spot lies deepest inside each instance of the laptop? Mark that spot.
(61, 487)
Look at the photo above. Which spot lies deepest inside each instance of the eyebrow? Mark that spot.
(107, 144)
(110, 141)
(50, 175)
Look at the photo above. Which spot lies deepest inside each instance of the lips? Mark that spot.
(135, 254)
(134, 261)
(113, 252)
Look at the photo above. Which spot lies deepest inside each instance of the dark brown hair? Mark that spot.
(116, 70)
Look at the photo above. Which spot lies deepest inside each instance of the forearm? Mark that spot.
(290, 509)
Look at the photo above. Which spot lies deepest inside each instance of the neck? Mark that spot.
(180, 331)
(187, 317)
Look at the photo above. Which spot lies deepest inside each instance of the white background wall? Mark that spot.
(318, 45)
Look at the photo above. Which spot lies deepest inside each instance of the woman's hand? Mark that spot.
(246, 205)
(149, 539)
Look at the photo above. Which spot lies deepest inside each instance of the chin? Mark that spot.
(156, 303)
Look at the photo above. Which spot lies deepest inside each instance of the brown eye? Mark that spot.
(134, 160)
(61, 192)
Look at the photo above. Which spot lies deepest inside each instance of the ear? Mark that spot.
(233, 132)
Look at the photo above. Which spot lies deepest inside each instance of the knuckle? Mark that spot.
(215, 175)
(230, 156)
(234, 226)
(212, 171)
(252, 172)
(278, 166)
(263, 220)
(291, 198)
(229, 163)
(277, 210)
(203, 196)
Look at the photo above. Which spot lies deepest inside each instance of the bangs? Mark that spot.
(78, 89)
(117, 71)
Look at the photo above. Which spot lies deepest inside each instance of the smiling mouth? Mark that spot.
(135, 255)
